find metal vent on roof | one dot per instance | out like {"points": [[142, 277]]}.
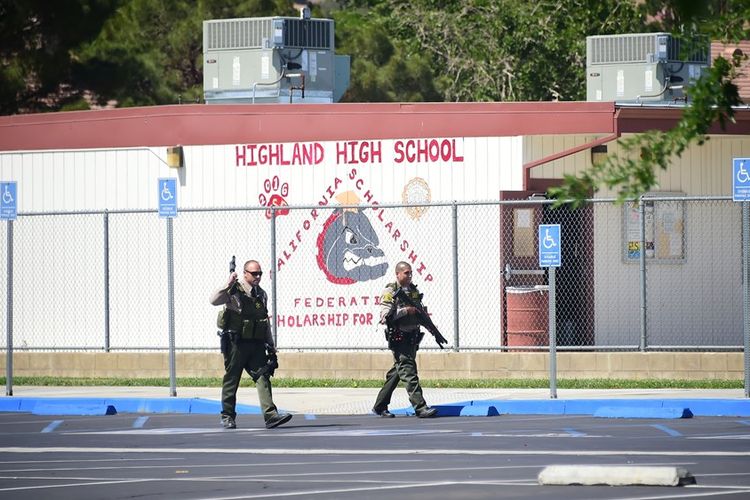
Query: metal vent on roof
{"points": [[253, 33], [641, 48], [307, 33], [237, 33]]}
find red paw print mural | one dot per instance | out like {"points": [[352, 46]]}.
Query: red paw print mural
{"points": [[274, 196]]}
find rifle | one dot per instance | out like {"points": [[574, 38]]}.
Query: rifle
{"points": [[225, 336], [232, 266], [422, 316], [267, 369]]}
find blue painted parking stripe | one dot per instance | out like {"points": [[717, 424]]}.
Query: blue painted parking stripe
{"points": [[574, 432], [476, 433], [666, 429], [309, 416], [52, 426], [139, 422]]}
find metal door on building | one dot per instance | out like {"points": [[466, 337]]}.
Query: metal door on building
{"points": [[524, 284]]}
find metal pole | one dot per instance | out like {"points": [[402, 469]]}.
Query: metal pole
{"points": [[746, 289], [552, 336], [106, 280], [455, 278], [9, 314], [170, 301], [273, 275], [642, 255]]}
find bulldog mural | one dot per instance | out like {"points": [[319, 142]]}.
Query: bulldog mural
{"points": [[348, 247]]}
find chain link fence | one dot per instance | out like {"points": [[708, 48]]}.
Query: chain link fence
{"points": [[654, 274]]}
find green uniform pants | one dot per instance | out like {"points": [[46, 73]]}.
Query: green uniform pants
{"points": [[404, 370], [245, 355]]}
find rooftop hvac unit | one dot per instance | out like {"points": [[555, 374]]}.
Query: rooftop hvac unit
{"points": [[272, 59], [641, 67]]}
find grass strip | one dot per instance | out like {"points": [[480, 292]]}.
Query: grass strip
{"points": [[351, 383]]}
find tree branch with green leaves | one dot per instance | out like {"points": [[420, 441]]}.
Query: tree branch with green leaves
{"points": [[713, 98]]}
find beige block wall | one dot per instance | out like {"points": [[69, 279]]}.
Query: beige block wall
{"points": [[373, 365]]}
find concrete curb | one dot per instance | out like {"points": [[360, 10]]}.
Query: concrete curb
{"points": [[641, 412], [615, 408], [83, 406], [608, 408]]}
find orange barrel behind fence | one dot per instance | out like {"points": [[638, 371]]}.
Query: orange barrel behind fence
{"points": [[527, 310]]}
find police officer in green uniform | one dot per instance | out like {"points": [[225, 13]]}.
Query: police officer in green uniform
{"points": [[404, 337], [245, 319]]}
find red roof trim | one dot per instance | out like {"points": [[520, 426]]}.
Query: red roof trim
{"points": [[198, 124], [237, 124]]}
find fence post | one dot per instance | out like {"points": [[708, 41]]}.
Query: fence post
{"points": [[746, 290], [106, 280], [170, 300], [455, 277], [552, 311], [642, 212], [273, 276], [9, 314]]}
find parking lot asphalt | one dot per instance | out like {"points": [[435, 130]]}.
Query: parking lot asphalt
{"points": [[190, 456]]}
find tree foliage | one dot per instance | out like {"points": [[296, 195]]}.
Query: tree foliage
{"points": [[150, 51], [509, 50], [140, 52], [38, 40], [713, 99]]}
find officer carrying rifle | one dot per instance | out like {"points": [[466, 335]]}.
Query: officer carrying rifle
{"points": [[246, 342], [403, 313]]}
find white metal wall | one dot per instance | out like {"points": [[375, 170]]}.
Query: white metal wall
{"points": [[127, 178], [693, 291]]}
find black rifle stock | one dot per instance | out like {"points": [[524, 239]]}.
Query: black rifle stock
{"points": [[422, 316], [267, 369]]}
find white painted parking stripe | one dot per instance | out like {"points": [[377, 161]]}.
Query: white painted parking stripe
{"points": [[666, 429], [344, 490], [573, 432], [544, 435], [173, 464], [139, 422], [76, 485], [52, 426], [744, 422], [292, 476], [380, 452], [289, 432], [723, 436]]}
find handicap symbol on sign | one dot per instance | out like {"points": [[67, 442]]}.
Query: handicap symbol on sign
{"points": [[8, 202], [7, 195], [740, 179], [166, 195], [550, 254], [549, 241], [742, 175]]}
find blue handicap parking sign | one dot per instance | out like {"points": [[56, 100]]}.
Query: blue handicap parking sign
{"points": [[8, 200], [741, 179], [167, 198], [550, 254]]}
